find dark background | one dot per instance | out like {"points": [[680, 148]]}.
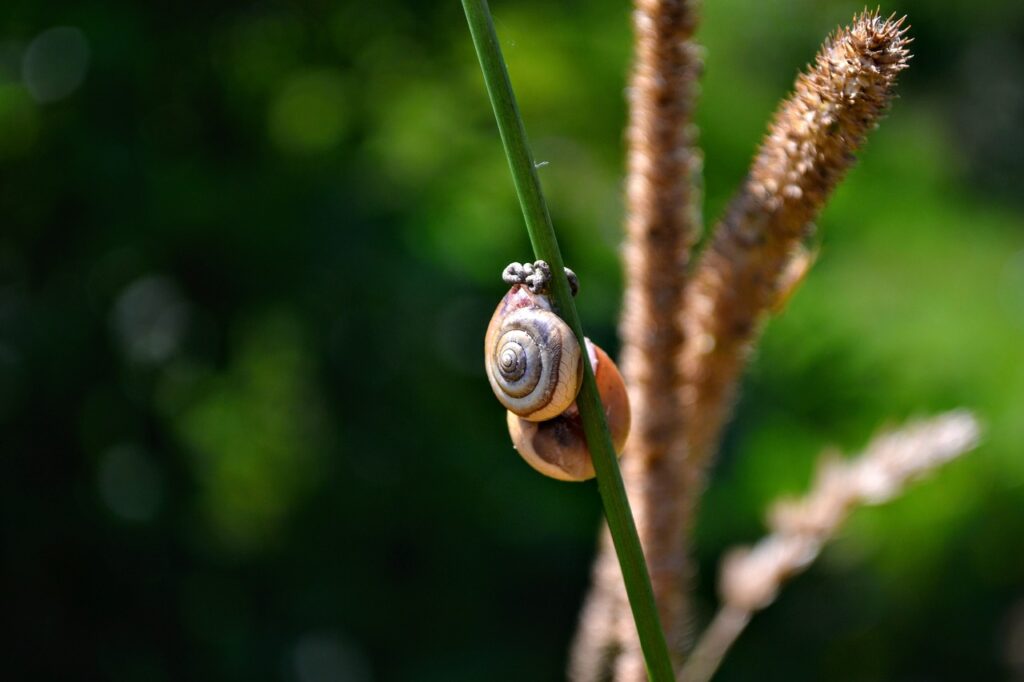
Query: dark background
{"points": [[247, 255]]}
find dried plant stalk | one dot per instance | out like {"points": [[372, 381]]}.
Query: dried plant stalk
{"points": [[751, 577], [596, 645], [747, 269], [755, 261], [662, 226]]}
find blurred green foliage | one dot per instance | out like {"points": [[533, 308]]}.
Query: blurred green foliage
{"points": [[247, 257]]}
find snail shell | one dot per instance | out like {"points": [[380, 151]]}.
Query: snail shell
{"points": [[532, 357], [558, 447]]}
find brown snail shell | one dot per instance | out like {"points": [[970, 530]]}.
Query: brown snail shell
{"points": [[557, 447], [532, 357]]}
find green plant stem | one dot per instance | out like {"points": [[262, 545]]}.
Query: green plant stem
{"points": [[545, 247]]}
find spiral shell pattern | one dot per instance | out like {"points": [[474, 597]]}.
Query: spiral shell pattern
{"points": [[533, 361]]}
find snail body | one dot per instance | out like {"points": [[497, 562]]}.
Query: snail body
{"points": [[558, 447], [535, 367]]}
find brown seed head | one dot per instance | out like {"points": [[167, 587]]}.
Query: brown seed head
{"points": [[809, 147], [834, 105]]}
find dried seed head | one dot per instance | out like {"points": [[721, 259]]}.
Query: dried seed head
{"points": [[834, 105], [752, 576], [749, 266]]}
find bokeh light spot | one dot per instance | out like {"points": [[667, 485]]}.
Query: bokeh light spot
{"points": [[130, 483], [55, 63], [257, 434], [323, 657], [149, 319], [310, 112]]}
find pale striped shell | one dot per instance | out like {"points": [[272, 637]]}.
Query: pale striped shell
{"points": [[532, 357]]}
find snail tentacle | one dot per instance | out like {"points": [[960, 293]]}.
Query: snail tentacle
{"points": [[537, 276]]}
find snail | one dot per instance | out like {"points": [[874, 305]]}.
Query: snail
{"points": [[535, 367]]}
